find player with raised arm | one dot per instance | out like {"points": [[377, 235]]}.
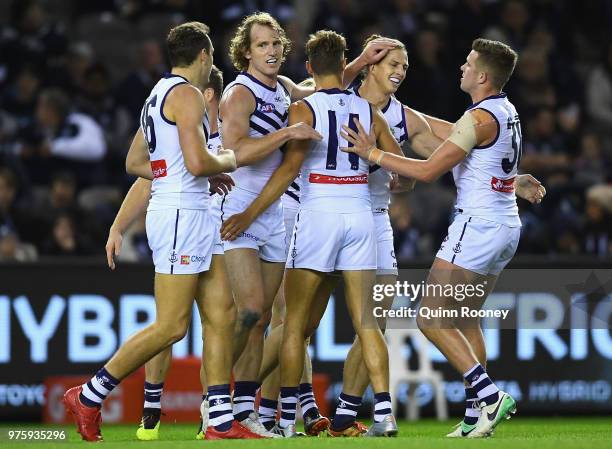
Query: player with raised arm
{"points": [[170, 149], [483, 150], [335, 197], [253, 114]]}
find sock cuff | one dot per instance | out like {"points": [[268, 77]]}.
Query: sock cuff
{"points": [[473, 373], [353, 400], [305, 388], [107, 377], [218, 389], [268, 403], [382, 397], [288, 391], [243, 388], [149, 386]]}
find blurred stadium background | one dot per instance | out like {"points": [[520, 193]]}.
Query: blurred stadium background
{"points": [[73, 77]]}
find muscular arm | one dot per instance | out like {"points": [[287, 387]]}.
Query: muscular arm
{"points": [[236, 108], [278, 183], [422, 140], [185, 106], [137, 162], [445, 157], [439, 127]]}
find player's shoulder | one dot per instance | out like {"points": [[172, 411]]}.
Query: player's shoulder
{"points": [[238, 95]]}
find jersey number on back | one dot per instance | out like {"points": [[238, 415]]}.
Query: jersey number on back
{"points": [[332, 143], [148, 127], [517, 145]]}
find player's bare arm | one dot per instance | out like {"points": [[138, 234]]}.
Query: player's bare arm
{"points": [[133, 205], [236, 107], [422, 140], [137, 162], [475, 128], [280, 180], [185, 105], [439, 127]]}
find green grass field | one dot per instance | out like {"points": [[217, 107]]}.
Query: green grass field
{"points": [[518, 433]]}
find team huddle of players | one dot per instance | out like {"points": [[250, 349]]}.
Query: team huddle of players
{"points": [[261, 196]]}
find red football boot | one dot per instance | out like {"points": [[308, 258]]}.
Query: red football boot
{"points": [[236, 432], [87, 419]]}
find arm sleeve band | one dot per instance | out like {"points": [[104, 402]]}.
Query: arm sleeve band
{"points": [[464, 133]]}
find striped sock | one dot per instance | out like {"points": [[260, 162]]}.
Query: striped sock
{"points": [[472, 413], [267, 412], [485, 389], [382, 406], [288, 405], [308, 402], [220, 414], [244, 399], [152, 395], [98, 387], [346, 411]]}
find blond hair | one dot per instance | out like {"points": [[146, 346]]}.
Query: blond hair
{"points": [[241, 42]]}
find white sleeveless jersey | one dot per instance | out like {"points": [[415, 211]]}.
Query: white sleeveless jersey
{"points": [[379, 177], [270, 114], [173, 186], [331, 179], [213, 140], [485, 178], [291, 198]]}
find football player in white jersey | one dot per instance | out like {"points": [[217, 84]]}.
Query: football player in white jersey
{"points": [[253, 114], [380, 82], [132, 207], [170, 149], [334, 197], [483, 150]]}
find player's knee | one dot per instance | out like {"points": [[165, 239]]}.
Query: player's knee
{"points": [[429, 324], [170, 334], [248, 318]]}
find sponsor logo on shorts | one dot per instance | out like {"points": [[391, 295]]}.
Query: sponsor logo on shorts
{"points": [[159, 168], [173, 257], [502, 185], [184, 259], [248, 235], [294, 253], [198, 258], [341, 102], [457, 248]]}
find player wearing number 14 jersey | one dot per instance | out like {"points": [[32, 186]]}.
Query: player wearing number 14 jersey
{"points": [[483, 150], [334, 227]]}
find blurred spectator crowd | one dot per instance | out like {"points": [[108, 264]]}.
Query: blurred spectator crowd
{"points": [[74, 75]]}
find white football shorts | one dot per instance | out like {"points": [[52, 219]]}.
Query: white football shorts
{"points": [[479, 245], [386, 263], [181, 240], [266, 234], [327, 241]]}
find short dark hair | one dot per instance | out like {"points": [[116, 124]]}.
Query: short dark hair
{"points": [[325, 51], [215, 82], [57, 99], [497, 59], [185, 42]]}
